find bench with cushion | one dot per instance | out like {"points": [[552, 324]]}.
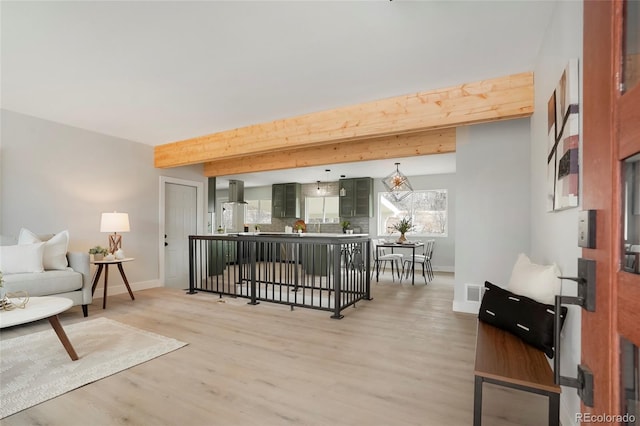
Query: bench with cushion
{"points": [[516, 335]]}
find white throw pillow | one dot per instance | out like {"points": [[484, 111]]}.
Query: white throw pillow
{"points": [[55, 248], [20, 259], [538, 282]]}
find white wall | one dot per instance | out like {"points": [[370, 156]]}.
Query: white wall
{"points": [[57, 177], [492, 173], [554, 235]]}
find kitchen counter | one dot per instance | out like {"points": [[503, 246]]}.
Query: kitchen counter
{"points": [[302, 235]]}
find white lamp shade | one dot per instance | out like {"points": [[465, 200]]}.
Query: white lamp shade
{"points": [[114, 222]]}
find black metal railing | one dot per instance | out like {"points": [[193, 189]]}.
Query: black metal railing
{"points": [[326, 272]]}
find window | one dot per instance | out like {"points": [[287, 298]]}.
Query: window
{"points": [[258, 211], [427, 210], [321, 210]]}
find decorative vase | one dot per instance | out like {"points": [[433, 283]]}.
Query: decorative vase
{"points": [[402, 238], [97, 257]]}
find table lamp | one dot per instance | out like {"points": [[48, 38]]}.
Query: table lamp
{"points": [[114, 222]]}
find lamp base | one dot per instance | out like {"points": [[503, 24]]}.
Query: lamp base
{"points": [[115, 242]]}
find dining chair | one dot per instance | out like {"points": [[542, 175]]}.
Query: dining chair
{"points": [[381, 257], [423, 260]]}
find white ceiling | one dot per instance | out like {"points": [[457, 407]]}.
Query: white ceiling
{"points": [[157, 72]]}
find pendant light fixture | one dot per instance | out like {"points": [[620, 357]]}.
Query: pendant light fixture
{"points": [[343, 190], [398, 184]]}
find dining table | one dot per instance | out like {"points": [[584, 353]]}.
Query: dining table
{"points": [[413, 245]]}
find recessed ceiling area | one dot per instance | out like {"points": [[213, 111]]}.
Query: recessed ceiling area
{"points": [[412, 166]]}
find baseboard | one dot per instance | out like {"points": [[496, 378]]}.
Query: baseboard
{"points": [[121, 288], [437, 268], [466, 307]]}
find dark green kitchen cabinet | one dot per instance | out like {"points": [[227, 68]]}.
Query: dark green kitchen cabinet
{"points": [[357, 200], [285, 200]]}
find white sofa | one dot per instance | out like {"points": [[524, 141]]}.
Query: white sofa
{"points": [[72, 281]]}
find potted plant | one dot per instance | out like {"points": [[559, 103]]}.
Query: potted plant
{"points": [[98, 252], [403, 227], [345, 225]]}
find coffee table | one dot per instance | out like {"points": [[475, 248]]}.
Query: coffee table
{"points": [[40, 308]]}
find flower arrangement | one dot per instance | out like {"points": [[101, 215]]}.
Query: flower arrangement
{"points": [[1, 279], [345, 225], [405, 225], [300, 226]]}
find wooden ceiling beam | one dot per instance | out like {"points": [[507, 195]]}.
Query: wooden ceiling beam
{"points": [[396, 146], [483, 101]]}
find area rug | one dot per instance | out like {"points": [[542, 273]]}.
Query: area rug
{"points": [[35, 368]]}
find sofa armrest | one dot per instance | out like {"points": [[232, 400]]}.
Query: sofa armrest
{"points": [[79, 262]]}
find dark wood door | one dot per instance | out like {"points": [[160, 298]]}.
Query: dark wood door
{"points": [[611, 129]]}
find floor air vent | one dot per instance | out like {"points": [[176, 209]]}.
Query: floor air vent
{"points": [[474, 292]]}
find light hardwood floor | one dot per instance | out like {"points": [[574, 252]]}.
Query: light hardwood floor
{"points": [[403, 358]]}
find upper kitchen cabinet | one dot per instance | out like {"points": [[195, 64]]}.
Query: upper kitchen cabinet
{"points": [[357, 200], [285, 200]]}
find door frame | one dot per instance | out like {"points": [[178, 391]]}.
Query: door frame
{"points": [[611, 134], [200, 215]]}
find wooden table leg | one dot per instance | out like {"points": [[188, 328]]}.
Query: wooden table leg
{"points": [[96, 277], [57, 327], [124, 278], [106, 278]]}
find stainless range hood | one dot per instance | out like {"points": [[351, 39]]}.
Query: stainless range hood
{"points": [[236, 191]]}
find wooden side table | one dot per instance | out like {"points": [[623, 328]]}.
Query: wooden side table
{"points": [[104, 264]]}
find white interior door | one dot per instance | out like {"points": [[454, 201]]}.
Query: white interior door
{"points": [[180, 222]]}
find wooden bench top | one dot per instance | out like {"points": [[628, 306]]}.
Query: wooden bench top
{"points": [[502, 356]]}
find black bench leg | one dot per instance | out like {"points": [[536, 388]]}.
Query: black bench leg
{"points": [[554, 409], [477, 402]]}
